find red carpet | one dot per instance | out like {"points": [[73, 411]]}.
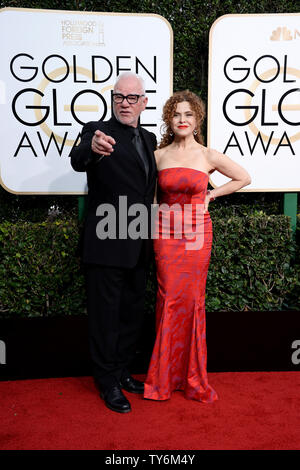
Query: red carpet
{"points": [[256, 410]]}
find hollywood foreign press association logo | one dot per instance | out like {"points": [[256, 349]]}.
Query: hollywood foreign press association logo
{"points": [[82, 32]]}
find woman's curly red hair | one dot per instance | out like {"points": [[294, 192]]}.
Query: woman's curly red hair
{"points": [[169, 108]]}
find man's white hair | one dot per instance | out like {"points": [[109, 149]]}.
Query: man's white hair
{"points": [[131, 75]]}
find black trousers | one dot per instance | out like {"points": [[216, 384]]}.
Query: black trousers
{"points": [[115, 302]]}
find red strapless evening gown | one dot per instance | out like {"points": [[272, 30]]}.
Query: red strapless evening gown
{"points": [[179, 356]]}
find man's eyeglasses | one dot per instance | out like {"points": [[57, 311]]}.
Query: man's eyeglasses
{"points": [[118, 98]]}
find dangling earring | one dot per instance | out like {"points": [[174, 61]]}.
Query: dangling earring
{"points": [[195, 132], [171, 134]]}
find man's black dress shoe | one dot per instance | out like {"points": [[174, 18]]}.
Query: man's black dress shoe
{"points": [[115, 400], [132, 385]]}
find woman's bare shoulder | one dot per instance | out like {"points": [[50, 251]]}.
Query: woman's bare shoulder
{"points": [[159, 154], [213, 155]]}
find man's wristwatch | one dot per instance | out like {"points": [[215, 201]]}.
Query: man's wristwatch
{"points": [[99, 158]]}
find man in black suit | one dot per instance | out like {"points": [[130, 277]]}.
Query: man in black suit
{"points": [[119, 170]]}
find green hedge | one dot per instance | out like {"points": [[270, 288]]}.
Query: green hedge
{"points": [[251, 268], [253, 264], [40, 272]]}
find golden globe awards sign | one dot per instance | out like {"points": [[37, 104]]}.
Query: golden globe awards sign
{"points": [[57, 71], [254, 97]]}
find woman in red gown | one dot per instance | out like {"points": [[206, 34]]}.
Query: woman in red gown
{"points": [[182, 245]]}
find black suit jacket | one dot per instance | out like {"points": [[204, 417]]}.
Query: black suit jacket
{"points": [[120, 174]]}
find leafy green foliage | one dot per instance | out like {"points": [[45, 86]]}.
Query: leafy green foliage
{"points": [[40, 272], [252, 267], [252, 264]]}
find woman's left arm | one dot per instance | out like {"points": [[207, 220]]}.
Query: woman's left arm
{"points": [[238, 175]]}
